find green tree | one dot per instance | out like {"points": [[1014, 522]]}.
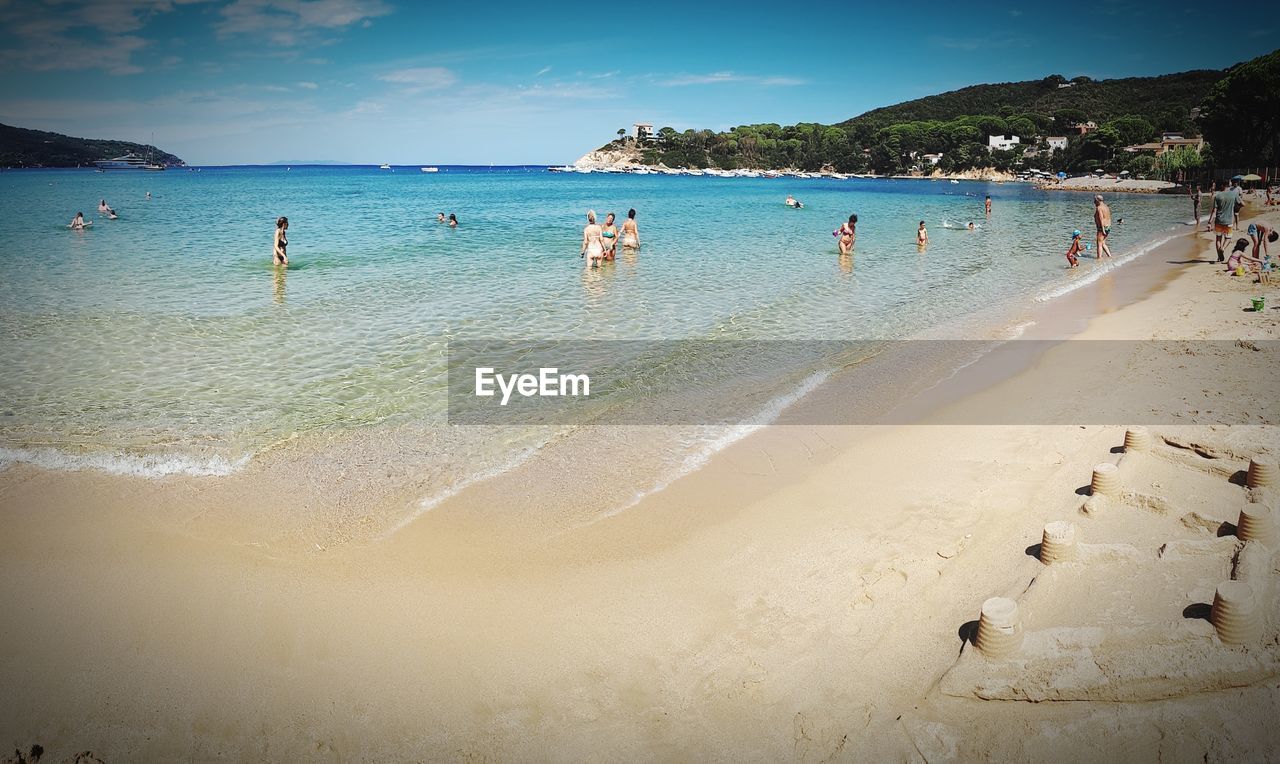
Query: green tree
{"points": [[1131, 130], [1241, 114]]}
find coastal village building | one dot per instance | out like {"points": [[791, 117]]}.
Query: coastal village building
{"points": [[1056, 142], [1001, 142], [644, 131], [1083, 127], [1168, 142], [932, 159]]}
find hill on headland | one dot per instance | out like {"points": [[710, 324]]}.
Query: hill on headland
{"points": [[20, 147], [1155, 99], [1113, 125]]}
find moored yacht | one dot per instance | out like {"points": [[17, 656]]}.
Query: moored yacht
{"points": [[129, 161]]}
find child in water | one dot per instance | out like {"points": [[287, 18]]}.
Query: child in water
{"points": [[1073, 252]]}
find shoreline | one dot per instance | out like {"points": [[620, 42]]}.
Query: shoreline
{"points": [[798, 594]]}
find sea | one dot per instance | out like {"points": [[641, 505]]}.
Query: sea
{"points": [[166, 343]]}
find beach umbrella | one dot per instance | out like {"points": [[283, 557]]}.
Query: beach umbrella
{"points": [[1250, 177], [1061, 174]]}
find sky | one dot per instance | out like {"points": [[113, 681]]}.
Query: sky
{"points": [[371, 81]]}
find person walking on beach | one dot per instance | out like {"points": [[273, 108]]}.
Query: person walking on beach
{"points": [[988, 205], [1239, 205], [1224, 212], [1195, 202], [592, 241], [280, 255], [846, 234], [630, 234], [1102, 219], [922, 235]]}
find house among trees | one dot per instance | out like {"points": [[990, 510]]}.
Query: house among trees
{"points": [[932, 159], [1083, 127], [1168, 142], [1002, 142], [644, 131], [1056, 142]]}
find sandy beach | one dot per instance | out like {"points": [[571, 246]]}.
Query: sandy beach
{"points": [[810, 594]]}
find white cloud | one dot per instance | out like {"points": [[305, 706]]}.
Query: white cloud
{"points": [[59, 36], [421, 78], [716, 78], [308, 86], [291, 22], [542, 71]]}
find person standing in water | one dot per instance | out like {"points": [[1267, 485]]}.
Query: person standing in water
{"points": [[453, 220], [280, 255], [1195, 202], [440, 218], [630, 234], [988, 205], [592, 243], [922, 235], [846, 234], [609, 236], [77, 223], [1073, 252], [1102, 219]]}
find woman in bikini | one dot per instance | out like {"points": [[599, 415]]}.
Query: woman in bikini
{"points": [[609, 235], [630, 234], [281, 254], [847, 233], [592, 243]]}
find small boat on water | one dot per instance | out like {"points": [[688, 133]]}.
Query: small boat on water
{"points": [[384, 167], [429, 169]]}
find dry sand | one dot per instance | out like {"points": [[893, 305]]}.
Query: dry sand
{"points": [[809, 595]]}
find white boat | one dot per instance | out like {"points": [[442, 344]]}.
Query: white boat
{"points": [[562, 168], [953, 180], [642, 171], [384, 167], [429, 169], [694, 171], [129, 161]]}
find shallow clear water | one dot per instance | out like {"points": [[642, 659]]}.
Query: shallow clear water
{"points": [[168, 331]]}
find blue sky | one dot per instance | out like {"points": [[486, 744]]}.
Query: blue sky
{"points": [[250, 81]]}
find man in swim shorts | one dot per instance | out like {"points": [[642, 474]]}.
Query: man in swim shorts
{"points": [[1102, 219], [1224, 212]]}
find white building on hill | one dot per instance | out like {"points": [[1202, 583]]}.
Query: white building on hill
{"points": [[1001, 142]]}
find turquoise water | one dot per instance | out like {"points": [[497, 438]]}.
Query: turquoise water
{"points": [[168, 334]]}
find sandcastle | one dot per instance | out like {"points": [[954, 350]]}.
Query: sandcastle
{"points": [[1106, 480], [1235, 614], [1137, 439], [1058, 543], [999, 628], [1261, 474], [1258, 523]]}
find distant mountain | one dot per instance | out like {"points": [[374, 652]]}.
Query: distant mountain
{"points": [[1148, 97], [20, 147]]}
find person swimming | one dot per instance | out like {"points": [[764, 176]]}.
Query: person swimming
{"points": [[440, 218], [148, 196], [77, 223], [609, 237], [630, 234], [453, 220], [794, 202], [280, 252], [971, 226]]}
